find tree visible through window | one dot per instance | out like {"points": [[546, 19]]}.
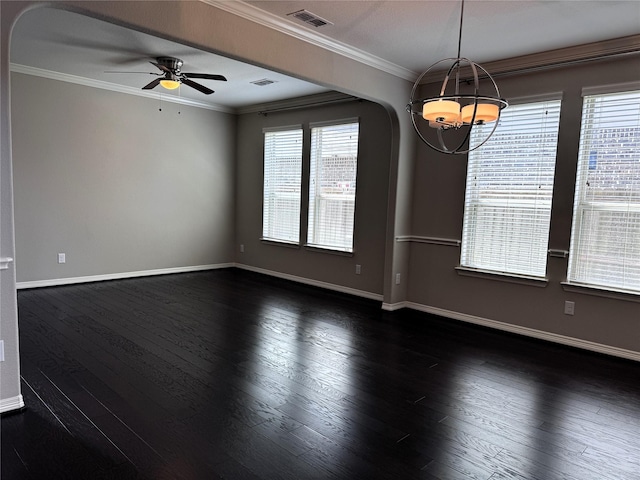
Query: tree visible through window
{"points": [[605, 238], [332, 185], [509, 189]]}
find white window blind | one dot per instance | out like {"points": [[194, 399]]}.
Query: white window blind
{"points": [[509, 190], [605, 236], [332, 186], [282, 185]]}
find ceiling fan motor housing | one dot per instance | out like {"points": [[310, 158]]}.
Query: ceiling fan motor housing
{"points": [[173, 76], [173, 64]]}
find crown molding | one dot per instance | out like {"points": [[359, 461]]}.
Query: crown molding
{"points": [[561, 57], [256, 15], [89, 82], [299, 102], [510, 66], [566, 56]]}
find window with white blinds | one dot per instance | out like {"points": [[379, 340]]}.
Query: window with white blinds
{"points": [[509, 190], [282, 185], [332, 186], [605, 236]]}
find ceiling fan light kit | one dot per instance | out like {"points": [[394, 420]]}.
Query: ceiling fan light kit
{"points": [[460, 105], [169, 84]]}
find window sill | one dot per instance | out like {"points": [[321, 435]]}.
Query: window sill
{"points": [[607, 292], [332, 251], [503, 277], [279, 243]]}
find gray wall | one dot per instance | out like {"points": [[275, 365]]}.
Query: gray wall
{"points": [[371, 204], [115, 183], [437, 211], [212, 29]]}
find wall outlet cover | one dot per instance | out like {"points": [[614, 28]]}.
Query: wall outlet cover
{"points": [[569, 308]]}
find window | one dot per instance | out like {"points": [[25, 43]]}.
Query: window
{"points": [[332, 185], [282, 184], [605, 236], [509, 188]]}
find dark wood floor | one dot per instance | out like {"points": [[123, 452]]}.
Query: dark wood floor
{"points": [[230, 374]]}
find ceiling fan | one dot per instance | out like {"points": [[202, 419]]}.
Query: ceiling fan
{"points": [[172, 76]]}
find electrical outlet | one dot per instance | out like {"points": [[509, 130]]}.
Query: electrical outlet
{"points": [[62, 258], [241, 248], [397, 279], [358, 269], [1, 350], [569, 307]]}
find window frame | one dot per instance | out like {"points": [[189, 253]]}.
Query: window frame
{"points": [[267, 227], [576, 276], [312, 217], [488, 268]]}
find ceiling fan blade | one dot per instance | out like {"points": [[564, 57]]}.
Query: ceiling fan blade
{"points": [[153, 84], [205, 76], [120, 71], [161, 67], [197, 86]]}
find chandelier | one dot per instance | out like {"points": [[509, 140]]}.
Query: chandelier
{"points": [[460, 106]]}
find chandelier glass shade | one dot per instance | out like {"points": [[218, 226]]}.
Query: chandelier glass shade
{"points": [[461, 104]]}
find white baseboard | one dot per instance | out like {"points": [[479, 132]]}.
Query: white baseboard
{"points": [[54, 282], [526, 331], [392, 307], [13, 403], [314, 283], [529, 332]]}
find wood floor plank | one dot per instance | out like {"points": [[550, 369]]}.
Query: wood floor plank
{"points": [[232, 374]]}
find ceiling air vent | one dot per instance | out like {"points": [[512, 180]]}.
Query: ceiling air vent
{"points": [[310, 18], [263, 82]]}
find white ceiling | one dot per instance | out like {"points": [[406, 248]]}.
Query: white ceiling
{"points": [[402, 37], [79, 46], [414, 34]]}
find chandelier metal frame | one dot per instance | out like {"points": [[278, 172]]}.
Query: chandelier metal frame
{"points": [[475, 102]]}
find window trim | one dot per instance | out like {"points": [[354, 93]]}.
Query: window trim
{"points": [[542, 97], [502, 276], [276, 129], [331, 123], [611, 88], [580, 205], [340, 250], [324, 249], [280, 243], [282, 128], [528, 279], [598, 291]]}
